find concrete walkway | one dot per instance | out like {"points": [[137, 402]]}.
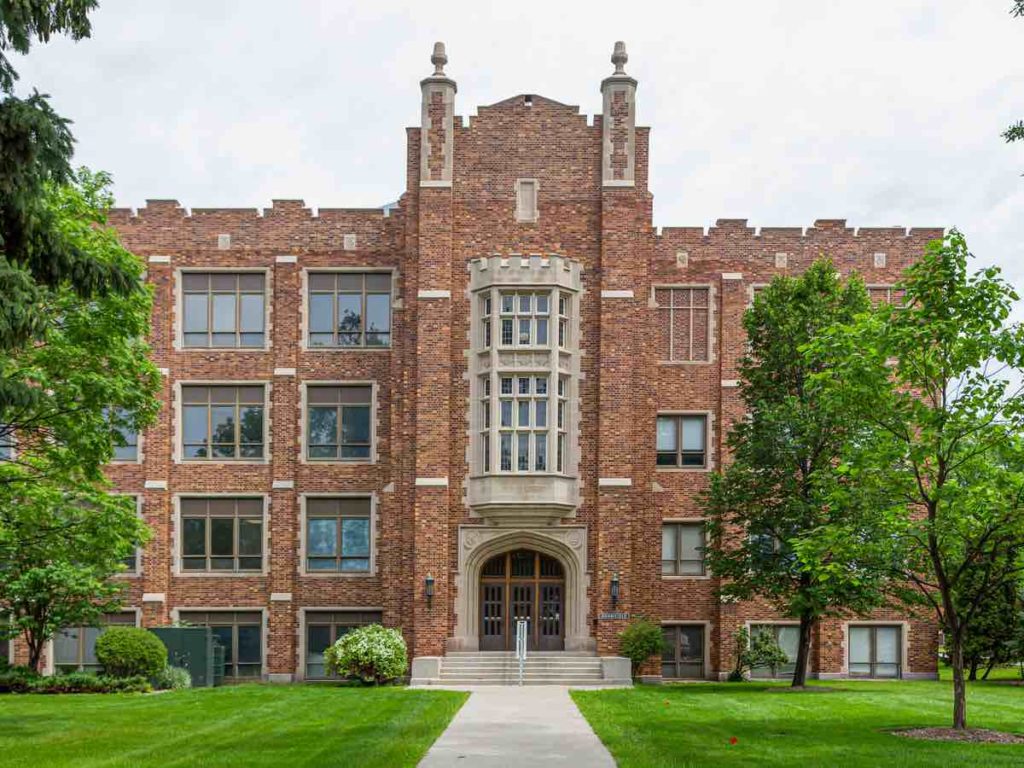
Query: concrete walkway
{"points": [[512, 726]]}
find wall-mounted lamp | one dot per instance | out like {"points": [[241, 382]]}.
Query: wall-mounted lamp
{"points": [[428, 589], [615, 589]]}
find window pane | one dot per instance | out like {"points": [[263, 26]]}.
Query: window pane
{"points": [[320, 311], [252, 424], [693, 542], [506, 413], [355, 537], [860, 645], [523, 452], [252, 312], [194, 423], [249, 644], [250, 536], [195, 313], [378, 312], [89, 635], [65, 646], [224, 636], [668, 542], [222, 423], [693, 433], [349, 311], [524, 413], [541, 414], [355, 424], [194, 538], [540, 452], [222, 536], [506, 450], [318, 638], [223, 312], [323, 428], [789, 640], [887, 645], [666, 433], [542, 330], [322, 537]]}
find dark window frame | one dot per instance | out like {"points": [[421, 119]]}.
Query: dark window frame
{"points": [[339, 515], [339, 406], [678, 562], [680, 458], [784, 671], [335, 621], [874, 662], [207, 515], [81, 664], [214, 399], [672, 633], [218, 619], [238, 291], [337, 290]]}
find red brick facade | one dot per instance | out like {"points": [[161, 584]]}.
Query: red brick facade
{"points": [[594, 209]]}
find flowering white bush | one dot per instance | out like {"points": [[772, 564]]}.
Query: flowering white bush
{"points": [[371, 653]]}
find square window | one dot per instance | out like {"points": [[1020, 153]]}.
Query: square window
{"points": [[223, 309]]}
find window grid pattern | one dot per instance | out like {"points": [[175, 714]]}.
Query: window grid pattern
{"points": [[682, 549], [222, 534], [241, 635], [222, 422], [223, 309], [338, 535], [323, 629], [684, 327], [339, 424], [682, 441], [875, 651], [74, 648], [349, 309], [524, 318], [523, 423]]}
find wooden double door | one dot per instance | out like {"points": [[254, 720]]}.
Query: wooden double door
{"points": [[522, 585]]}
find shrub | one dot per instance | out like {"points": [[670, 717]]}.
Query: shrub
{"points": [[762, 651], [17, 679], [128, 651], [371, 653], [83, 682], [172, 679], [641, 640]]}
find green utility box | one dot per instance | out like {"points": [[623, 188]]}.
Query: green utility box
{"points": [[195, 649]]}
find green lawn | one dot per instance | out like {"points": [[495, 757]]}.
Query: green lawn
{"points": [[244, 725], [680, 725]]}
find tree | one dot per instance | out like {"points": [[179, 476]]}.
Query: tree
{"points": [[58, 551], [989, 637], [761, 651], [1016, 131], [930, 378], [62, 535], [36, 255], [777, 525]]}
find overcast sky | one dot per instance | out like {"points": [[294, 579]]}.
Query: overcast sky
{"points": [[882, 113]]}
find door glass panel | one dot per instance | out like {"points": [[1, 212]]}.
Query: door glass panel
{"points": [[887, 645], [860, 645], [249, 644]]}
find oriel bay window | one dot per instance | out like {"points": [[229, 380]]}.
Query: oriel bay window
{"points": [[324, 629], [682, 441], [338, 534], [221, 534], [350, 309], [223, 309], [682, 549], [339, 422], [523, 423], [240, 633], [222, 422], [875, 651], [74, 648]]}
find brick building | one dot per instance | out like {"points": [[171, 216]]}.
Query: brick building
{"points": [[498, 397]]}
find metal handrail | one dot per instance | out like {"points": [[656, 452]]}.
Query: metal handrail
{"points": [[521, 637]]}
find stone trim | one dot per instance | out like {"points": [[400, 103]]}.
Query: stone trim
{"points": [[432, 482], [176, 540], [619, 294], [904, 642], [614, 482], [178, 309], [433, 294], [374, 542]]}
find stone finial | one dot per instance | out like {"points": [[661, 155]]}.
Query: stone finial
{"points": [[620, 57], [439, 59]]}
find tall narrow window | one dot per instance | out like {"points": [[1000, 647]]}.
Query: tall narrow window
{"points": [[682, 441], [875, 651], [6, 443], [563, 424], [124, 437], [349, 309], [682, 549], [485, 421], [523, 424], [526, 200], [240, 633], [324, 629], [339, 423], [222, 422], [338, 535], [564, 311], [223, 309], [525, 319], [221, 534], [683, 322]]}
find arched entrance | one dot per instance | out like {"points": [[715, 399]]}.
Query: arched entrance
{"points": [[524, 585]]}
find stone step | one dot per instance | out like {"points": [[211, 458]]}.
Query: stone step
{"points": [[512, 654], [552, 680], [481, 672]]}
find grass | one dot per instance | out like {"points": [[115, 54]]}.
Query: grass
{"points": [[683, 725], [244, 725]]}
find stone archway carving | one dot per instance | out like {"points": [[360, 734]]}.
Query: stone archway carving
{"points": [[477, 544]]}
